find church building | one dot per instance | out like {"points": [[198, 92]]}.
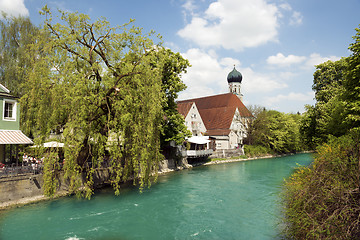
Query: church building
{"points": [[221, 117]]}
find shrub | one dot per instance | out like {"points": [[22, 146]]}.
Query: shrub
{"points": [[322, 201], [257, 150]]}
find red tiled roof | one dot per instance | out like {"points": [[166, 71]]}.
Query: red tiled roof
{"points": [[217, 118], [218, 132], [218, 111], [184, 107], [218, 101]]}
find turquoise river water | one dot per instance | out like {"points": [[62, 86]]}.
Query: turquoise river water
{"points": [[237, 200]]}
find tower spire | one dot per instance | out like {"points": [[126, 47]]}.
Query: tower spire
{"points": [[234, 79]]}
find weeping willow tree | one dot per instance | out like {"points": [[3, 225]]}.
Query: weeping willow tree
{"points": [[15, 35], [102, 89]]}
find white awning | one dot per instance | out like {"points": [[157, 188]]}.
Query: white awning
{"points": [[52, 144], [14, 137], [199, 139]]}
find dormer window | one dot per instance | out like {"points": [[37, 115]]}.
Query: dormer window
{"points": [[9, 110]]}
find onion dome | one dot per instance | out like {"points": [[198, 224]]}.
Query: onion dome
{"points": [[234, 76]]}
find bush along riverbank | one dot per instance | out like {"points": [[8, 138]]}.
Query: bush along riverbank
{"points": [[322, 201]]}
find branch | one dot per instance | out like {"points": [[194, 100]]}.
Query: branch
{"points": [[65, 46]]}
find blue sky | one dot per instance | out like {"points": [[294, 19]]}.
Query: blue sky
{"points": [[274, 44]]}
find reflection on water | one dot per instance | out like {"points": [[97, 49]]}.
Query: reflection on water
{"points": [[226, 201]]}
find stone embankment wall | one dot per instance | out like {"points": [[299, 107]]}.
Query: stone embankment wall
{"points": [[17, 188], [29, 188], [227, 153]]}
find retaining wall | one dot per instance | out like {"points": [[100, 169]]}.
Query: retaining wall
{"points": [[27, 188], [227, 153]]}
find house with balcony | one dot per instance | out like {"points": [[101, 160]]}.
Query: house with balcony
{"points": [[198, 145], [222, 118], [10, 133]]}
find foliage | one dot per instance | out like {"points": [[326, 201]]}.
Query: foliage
{"points": [[352, 84], [322, 201], [16, 34], [257, 151], [106, 91], [326, 117], [328, 74], [173, 128], [255, 110], [276, 131]]}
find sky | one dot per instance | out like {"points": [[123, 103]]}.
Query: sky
{"points": [[275, 45]]}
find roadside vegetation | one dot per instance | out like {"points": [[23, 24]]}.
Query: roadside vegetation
{"points": [[323, 201]]}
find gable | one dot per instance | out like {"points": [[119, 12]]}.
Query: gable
{"points": [[184, 108], [220, 101]]}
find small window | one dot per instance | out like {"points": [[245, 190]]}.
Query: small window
{"points": [[9, 112]]}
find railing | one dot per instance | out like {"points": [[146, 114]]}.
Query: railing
{"points": [[11, 171], [198, 153]]}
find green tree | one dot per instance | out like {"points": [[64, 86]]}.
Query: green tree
{"points": [[16, 34], [173, 128], [322, 201], [308, 127], [327, 116], [352, 84], [330, 73], [103, 89], [277, 131]]}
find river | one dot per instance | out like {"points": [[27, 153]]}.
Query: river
{"points": [[237, 200]]}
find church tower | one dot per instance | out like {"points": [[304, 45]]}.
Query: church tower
{"points": [[234, 79]]}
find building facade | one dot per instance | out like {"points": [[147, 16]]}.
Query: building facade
{"points": [[10, 133], [223, 117]]}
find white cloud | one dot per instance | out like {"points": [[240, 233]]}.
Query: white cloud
{"points": [[291, 97], [296, 18], [315, 59], [302, 62], [233, 24], [254, 82], [14, 7], [285, 6], [281, 60], [189, 6], [208, 76]]}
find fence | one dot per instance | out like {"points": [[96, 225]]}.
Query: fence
{"points": [[10, 171]]}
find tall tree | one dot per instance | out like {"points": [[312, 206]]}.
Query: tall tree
{"points": [[352, 84], [16, 34], [173, 128], [277, 131], [327, 116], [102, 87]]}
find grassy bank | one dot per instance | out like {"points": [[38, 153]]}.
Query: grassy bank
{"points": [[322, 201]]}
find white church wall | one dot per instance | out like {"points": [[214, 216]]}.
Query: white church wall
{"points": [[194, 122]]}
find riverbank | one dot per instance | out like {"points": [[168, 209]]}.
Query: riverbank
{"points": [[218, 202], [34, 199]]}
